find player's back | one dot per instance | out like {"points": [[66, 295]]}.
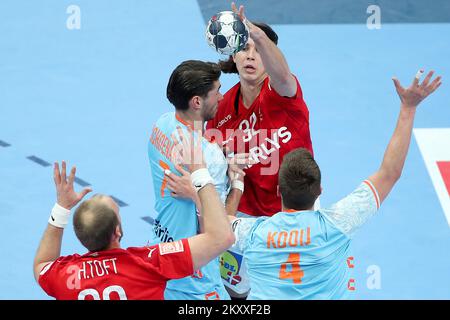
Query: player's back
{"points": [[177, 218], [167, 224], [299, 255], [116, 274]]}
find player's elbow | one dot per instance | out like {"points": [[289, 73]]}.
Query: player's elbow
{"points": [[394, 175], [36, 273], [397, 176], [230, 239], [390, 174], [226, 240], [287, 79], [286, 85]]}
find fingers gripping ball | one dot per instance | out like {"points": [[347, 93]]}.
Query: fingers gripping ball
{"points": [[226, 33]]}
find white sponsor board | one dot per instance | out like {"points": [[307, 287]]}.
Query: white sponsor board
{"points": [[434, 144]]}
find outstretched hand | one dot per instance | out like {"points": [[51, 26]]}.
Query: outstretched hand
{"points": [[240, 12], [66, 195], [416, 93]]}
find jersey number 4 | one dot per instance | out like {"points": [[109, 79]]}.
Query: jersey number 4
{"points": [[296, 274]]}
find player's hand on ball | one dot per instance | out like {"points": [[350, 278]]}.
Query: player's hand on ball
{"points": [[239, 12], [226, 33], [254, 31]]}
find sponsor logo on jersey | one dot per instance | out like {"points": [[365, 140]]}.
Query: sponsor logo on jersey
{"points": [[223, 121], [171, 247], [263, 144], [150, 252], [162, 232], [230, 264]]}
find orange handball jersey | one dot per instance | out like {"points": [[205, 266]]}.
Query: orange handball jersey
{"points": [[271, 127], [118, 274]]}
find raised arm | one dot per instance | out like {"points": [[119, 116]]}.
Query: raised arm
{"points": [[217, 235], [50, 246], [236, 165], [395, 154], [281, 78]]}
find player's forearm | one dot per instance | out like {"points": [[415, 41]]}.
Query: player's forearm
{"points": [[276, 65], [50, 246], [215, 221], [395, 155], [197, 202], [231, 206], [232, 202], [198, 205]]}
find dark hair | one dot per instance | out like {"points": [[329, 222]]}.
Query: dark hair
{"points": [[191, 78], [95, 223], [228, 66], [299, 180]]}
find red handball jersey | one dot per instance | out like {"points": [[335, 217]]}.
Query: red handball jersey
{"points": [[118, 274], [270, 128]]}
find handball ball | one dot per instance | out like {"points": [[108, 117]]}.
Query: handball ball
{"points": [[226, 33]]}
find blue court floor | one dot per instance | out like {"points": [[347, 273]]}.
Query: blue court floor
{"points": [[91, 95]]}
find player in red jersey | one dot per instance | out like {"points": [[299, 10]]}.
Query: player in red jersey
{"points": [[265, 116], [109, 272]]}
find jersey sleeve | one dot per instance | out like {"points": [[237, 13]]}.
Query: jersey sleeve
{"points": [[241, 228], [49, 275], [294, 103], [172, 260], [45, 278], [354, 210]]}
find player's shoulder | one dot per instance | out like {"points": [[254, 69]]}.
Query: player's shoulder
{"points": [[62, 262], [165, 118], [69, 258], [282, 219], [138, 250], [139, 255], [365, 193], [267, 89], [150, 252], [252, 224]]}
